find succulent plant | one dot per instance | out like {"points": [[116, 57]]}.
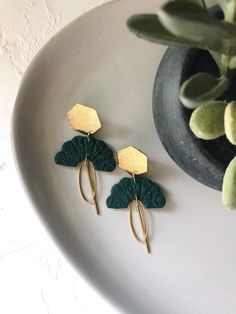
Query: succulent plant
{"points": [[188, 23]]}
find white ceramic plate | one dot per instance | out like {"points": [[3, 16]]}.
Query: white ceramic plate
{"points": [[96, 61]]}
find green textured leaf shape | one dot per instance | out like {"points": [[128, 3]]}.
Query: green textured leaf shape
{"points": [[76, 150], [230, 122], [207, 121], [229, 185], [147, 191], [202, 88], [149, 27], [190, 21]]}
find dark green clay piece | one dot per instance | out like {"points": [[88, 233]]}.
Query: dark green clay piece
{"points": [[76, 150], [147, 191]]}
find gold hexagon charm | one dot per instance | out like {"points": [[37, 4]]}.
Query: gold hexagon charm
{"points": [[132, 160], [84, 119]]}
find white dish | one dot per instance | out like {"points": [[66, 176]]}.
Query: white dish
{"points": [[96, 61]]}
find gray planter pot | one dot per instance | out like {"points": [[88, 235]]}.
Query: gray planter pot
{"points": [[205, 161]]}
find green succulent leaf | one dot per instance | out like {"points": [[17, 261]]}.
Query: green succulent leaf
{"points": [[229, 59], [229, 9], [218, 59], [201, 88], [230, 122], [232, 63], [149, 27], [207, 121], [229, 185], [190, 21], [201, 3]]}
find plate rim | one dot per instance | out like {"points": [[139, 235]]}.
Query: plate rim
{"points": [[20, 174]]}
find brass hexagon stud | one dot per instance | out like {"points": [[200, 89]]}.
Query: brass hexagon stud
{"points": [[132, 160], [84, 119]]}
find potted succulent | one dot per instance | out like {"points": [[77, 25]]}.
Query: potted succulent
{"points": [[194, 95]]}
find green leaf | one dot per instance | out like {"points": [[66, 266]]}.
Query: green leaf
{"points": [[190, 21], [229, 9], [201, 88], [149, 27], [229, 185], [229, 60], [218, 59], [207, 121], [232, 63], [230, 122], [200, 3]]}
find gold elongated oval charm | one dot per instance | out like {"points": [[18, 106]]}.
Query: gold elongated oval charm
{"points": [[91, 173], [143, 221]]}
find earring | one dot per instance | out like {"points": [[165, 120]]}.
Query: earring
{"points": [[137, 192], [86, 151]]}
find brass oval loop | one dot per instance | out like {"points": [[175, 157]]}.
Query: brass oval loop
{"points": [[143, 220], [88, 166]]}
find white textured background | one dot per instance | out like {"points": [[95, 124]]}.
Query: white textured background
{"points": [[34, 276]]}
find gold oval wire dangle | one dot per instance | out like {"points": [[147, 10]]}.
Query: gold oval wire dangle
{"points": [[143, 220], [86, 164], [93, 183], [136, 205]]}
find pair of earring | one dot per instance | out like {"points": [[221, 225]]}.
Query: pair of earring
{"points": [[86, 152]]}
